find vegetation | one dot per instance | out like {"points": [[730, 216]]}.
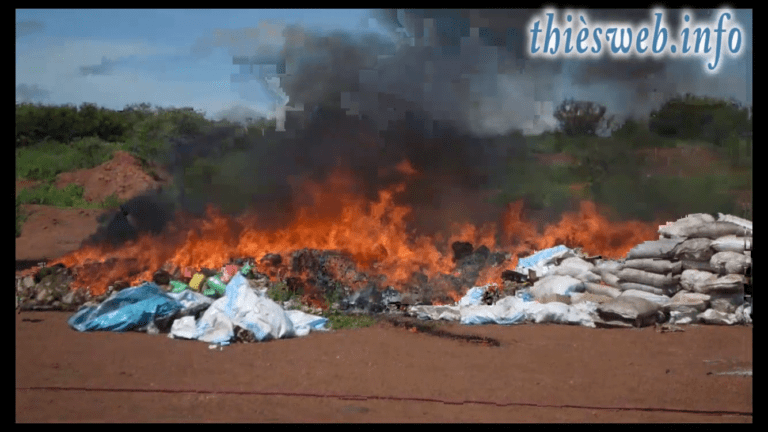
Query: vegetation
{"points": [[609, 170], [691, 117], [279, 292], [68, 196], [339, 321]]}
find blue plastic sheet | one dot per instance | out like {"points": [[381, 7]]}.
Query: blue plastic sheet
{"points": [[129, 309], [533, 260]]}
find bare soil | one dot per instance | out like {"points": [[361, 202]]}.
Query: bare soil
{"points": [[537, 374], [50, 232]]}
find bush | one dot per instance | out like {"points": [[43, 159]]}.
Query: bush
{"points": [[693, 117], [581, 118]]}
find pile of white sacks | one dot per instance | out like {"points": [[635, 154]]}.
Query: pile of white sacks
{"points": [[694, 273]]}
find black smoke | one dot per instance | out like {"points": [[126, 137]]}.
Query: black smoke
{"points": [[438, 92]]}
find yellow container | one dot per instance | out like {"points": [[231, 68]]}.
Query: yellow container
{"points": [[196, 280]]}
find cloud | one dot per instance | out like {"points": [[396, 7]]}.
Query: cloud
{"points": [[104, 68]]}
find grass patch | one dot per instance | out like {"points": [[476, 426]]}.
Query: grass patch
{"points": [[279, 292], [339, 321], [47, 159], [70, 196]]}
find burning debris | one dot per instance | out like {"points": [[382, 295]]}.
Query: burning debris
{"points": [[699, 271]]}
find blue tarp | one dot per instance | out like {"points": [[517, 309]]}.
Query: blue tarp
{"points": [[129, 309]]}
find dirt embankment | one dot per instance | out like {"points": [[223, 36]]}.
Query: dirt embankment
{"points": [[50, 232]]}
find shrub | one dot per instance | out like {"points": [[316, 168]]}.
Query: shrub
{"points": [[693, 117]]}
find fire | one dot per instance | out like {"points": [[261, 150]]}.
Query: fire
{"points": [[333, 216]]}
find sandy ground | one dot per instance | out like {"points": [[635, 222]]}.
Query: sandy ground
{"points": [[539, 373]]}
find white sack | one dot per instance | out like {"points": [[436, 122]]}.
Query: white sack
{"points": [[732, 243], [690, 279], [675, 229], [729, 284], [731, 262], [735, 220], [563, 285]]}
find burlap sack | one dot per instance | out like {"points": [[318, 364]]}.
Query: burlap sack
{"points": [[655, 266], [697, 249], [660, 249], [647, 278], [732, 243], [690, 279], [731, 262], [677, 228], [730, 284]]}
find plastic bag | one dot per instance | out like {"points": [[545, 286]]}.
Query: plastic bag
{"points": [[130, 309]]}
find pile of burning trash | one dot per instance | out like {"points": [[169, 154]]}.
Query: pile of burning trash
{"points": [[699, 271]]}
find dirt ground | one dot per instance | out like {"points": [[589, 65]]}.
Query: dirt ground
{"points": [[539, 373]]}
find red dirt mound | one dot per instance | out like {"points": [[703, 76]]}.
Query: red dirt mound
{"points": [[50, 232], [122, 176]]}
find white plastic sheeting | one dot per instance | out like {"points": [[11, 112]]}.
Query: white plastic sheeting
{"points": [[246, 308], [509, 310]]}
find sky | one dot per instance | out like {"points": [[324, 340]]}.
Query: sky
{"points": [[184, 58]]}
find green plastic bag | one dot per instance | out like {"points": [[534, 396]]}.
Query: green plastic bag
{"points": [[178, 286]]}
